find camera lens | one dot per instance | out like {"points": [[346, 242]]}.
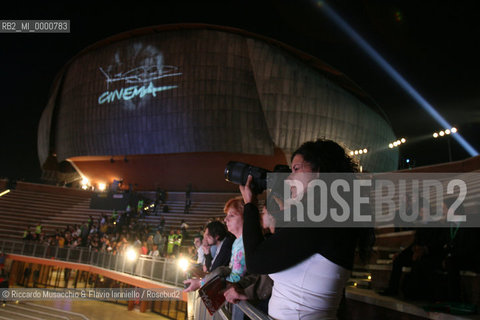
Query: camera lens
{"points": [[237, 172]]}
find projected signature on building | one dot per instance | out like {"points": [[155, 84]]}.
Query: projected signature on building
{"points": [[150, 68], [131, 92], [141, 74]]}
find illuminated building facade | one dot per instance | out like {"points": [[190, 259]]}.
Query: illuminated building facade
{"points": [[171, 105]]}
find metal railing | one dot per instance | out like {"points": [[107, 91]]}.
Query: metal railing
{"points": [[154, 268], [198, 311]]}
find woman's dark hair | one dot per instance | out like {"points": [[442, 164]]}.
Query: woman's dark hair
{"points": [[326, 156]]}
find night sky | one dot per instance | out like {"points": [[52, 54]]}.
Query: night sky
{"points": [[433, 44]]}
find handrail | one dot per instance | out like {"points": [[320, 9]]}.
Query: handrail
{"points": [[154, 268], [198, 311], [157, 269]]}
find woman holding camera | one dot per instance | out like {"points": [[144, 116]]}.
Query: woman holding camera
{"points": [[309, 266]]}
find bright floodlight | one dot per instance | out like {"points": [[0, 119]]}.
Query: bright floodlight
{"points": [[390, 145], [351, 153], [356, 151], [394, 74], [441, 133], [85, 181], [435, 135], [360, 151], [183, 264], [447, 131], [403, 140], [454, 130], [131, 254], [102, 186], [365, 150]]}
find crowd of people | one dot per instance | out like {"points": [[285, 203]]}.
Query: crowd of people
{"points": [[114, 234], [290, 273], [118, 232]]}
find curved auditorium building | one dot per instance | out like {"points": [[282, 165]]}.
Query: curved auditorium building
{"points": [[169, 106]]}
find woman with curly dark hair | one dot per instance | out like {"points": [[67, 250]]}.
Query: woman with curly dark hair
{"points": [[309, 266]]}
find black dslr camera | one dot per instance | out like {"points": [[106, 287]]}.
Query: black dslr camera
{"points": [[237, 172]]}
